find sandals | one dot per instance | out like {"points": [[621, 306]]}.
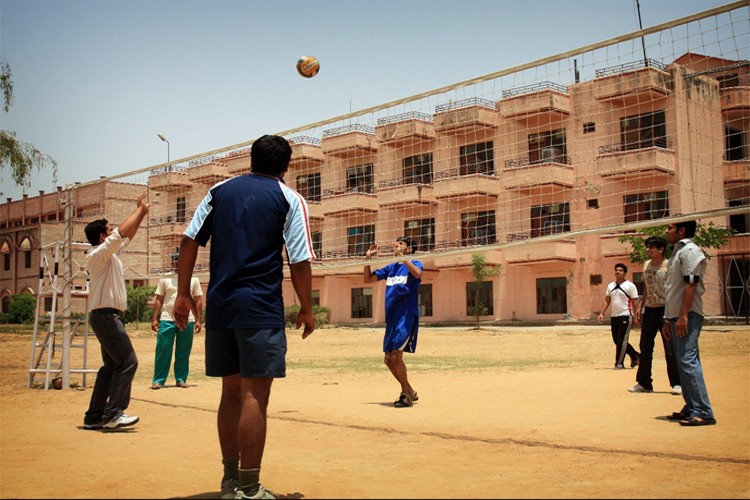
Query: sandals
{"points": [[678, 416], [697, 421]]}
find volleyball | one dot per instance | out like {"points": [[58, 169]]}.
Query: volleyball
{"points": [[308, 66]]}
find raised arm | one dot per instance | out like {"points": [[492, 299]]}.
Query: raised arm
{"points": [[128, 228]]}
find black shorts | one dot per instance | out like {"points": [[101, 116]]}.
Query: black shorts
{"points": [[251, 352]]}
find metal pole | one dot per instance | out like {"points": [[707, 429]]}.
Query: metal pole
{"points": [[640, 26], [67, 284]]}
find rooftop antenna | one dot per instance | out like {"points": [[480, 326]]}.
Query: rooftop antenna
{"points": [[640, 26]]}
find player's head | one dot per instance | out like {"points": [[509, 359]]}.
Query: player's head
{"points": [[680, 230], [656, 242], [622, 267], [409, 244], [95, 229], [270, 154]]}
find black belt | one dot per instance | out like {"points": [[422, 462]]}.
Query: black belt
{"points": [[107, 310]]}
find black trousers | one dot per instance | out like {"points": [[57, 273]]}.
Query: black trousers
{"points": [[652, 323], [111, 394], [620, 334]]}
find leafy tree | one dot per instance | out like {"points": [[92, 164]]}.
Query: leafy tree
{"points": [[706, 236], [138, 309], [21, 308], [21, 157], [481, 271]]}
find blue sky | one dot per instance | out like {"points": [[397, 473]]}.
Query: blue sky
{"points": [[96, 80]]}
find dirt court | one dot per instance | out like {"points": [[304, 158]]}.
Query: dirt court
{"points": [[503, 412]]}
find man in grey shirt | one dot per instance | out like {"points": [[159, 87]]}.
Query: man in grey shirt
{"points": [[683, 316]]}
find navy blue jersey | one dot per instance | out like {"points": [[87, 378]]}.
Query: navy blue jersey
{"points": [[401, 291], [249, 219]]}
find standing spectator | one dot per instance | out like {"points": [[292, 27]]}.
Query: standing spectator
{"points": [[401, 312], [108, 299], [651, 317], [684, 315], [623, 295], [170, 337], [249, 220]]}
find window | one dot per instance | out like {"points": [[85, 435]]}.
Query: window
{"points": [[643, 131], [27, 259], [725, 81], [309, 186], [139, 283], [48, 304], [418, 169], [739, 222], [315, 295], [424, 300], [589, 127], [422, 232], [734, 144], [547, 147], [361, 303], [359, 178], [317, 243], [477, 159], [359, 240], [550, 219], [646, 206], [6, 262], [551, 296], [5, 304], [484, 297], [592, 203], [477, 228], [180, 210]]}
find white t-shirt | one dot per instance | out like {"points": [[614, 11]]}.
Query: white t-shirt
{"points": [[168, 288], [106, 274], [621, 296]]}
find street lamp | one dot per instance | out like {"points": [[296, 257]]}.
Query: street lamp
{"points": [[161, 136]]}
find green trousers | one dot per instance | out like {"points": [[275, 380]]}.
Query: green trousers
{"points": [[170, 336]]}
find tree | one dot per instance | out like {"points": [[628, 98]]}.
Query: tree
{"points": [[138, 304], [21, 157], [706, 236], [22, 308], [481, 271]]}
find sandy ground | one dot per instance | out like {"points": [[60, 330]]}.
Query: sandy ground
{"points": [[503, 412]]}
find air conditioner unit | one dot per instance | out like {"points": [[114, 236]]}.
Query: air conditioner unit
{"points": [[550, 154]]}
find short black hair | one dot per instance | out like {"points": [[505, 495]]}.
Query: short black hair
{"points": [[689, 225], [409, 243], [623, 266], [94, 229], [270, 154], [656, 242]]}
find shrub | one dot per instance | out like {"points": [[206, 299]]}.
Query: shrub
{"points": [[321, 314], [21, 308]]}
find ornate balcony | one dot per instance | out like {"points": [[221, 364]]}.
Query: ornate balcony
{"points": [[348, 203], [350, 141], [736, 173], [238, 162], [468, 115], [449, 184], [529, 254], [306, 153], [169, 178], [536, 105], [633, 86], [735, 102], [396, 194], [544, 177], [631, 161], [209, 173], [405, 129]]}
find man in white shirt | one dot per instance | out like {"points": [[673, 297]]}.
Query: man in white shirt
{"points": [[108, 300], [168, 336], [623, 295]]}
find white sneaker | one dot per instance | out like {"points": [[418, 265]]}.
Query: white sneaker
{"points": [[676, 390], [262, 494], [229, 488], [639, 388], [123, 420]]}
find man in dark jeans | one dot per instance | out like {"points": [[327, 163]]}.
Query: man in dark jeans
{"points": [[652, 319], [107, 301]]}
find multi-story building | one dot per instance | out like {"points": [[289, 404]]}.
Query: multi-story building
{"points": [[532, 180]]}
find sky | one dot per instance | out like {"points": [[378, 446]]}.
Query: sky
{"points": [[95, 81]]}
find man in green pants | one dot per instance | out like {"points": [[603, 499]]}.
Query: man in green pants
{"points": [[168, 335]]}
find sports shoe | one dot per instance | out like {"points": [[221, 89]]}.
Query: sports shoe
{"points": [[676, 390], [404, 401], [639, 388], [262, 494], [122, 420], [619, 367], [92, 426], [229, 488]]}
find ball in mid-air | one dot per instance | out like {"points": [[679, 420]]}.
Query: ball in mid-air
{"points": [[308, 66]]}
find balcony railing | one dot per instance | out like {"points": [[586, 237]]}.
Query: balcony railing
{"points": [[661, 143], [346, 129], [525, 161], [305, 139], [465, 103], [622, 68], [402, 117], [530, 89], [167, 169]]}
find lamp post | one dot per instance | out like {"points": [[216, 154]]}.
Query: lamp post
{"points": [[161, 136]]}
